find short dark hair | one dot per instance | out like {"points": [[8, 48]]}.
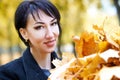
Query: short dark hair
{"points": [[29, 7]]}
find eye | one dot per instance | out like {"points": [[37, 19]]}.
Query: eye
{"points": [[54, 23], [39, 27]]}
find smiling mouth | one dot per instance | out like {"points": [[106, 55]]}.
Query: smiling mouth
{"points": [[50, 43]]}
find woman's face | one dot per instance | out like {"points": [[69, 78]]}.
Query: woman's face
{"points": [[42, 32]]}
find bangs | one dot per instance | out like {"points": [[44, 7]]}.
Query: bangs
{"points": [[35, 8]]}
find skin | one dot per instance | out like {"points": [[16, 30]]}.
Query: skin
{"points": [[42, 33]]}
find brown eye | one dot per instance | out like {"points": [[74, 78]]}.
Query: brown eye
{"points": [[54, 23], [39, 27]]}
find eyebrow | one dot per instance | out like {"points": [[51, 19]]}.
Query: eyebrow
{"points": [[38, 22]]}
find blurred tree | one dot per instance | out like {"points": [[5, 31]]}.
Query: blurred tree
{"points": [[73, 13], [117, 5], [7, 32]]}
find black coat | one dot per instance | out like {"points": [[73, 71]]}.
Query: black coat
{"points": [[24, 68]]}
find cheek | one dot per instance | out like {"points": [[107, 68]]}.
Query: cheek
{"points": [[36, 37], [56, 31]]}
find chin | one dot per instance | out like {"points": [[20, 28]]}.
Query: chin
{"points": [[50, 51]]}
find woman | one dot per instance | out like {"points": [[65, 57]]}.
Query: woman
{"points": [[38, 25]]}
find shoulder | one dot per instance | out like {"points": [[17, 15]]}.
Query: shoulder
{"points": [[11, 70], [12, 65]]}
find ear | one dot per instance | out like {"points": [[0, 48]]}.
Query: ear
{"points": [[23, 32]]}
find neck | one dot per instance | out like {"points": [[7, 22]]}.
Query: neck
{"points": [[43, 59]]}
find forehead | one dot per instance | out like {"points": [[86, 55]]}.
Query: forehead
{"points": [[40, 15]]}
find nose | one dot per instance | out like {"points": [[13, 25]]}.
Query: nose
{"points": [[49, 33]]}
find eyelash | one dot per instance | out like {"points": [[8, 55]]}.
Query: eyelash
{"points": [[54, 23], [38, 27]]}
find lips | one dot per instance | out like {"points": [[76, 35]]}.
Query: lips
{"points": [[50, 43]]}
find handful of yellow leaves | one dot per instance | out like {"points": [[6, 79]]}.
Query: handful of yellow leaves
{"points": [[98, 57]]}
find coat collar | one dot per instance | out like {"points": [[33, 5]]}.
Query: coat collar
{"points": [[32, 69]]}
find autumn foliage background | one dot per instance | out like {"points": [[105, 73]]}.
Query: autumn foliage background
{"points": [[76, 16]]}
